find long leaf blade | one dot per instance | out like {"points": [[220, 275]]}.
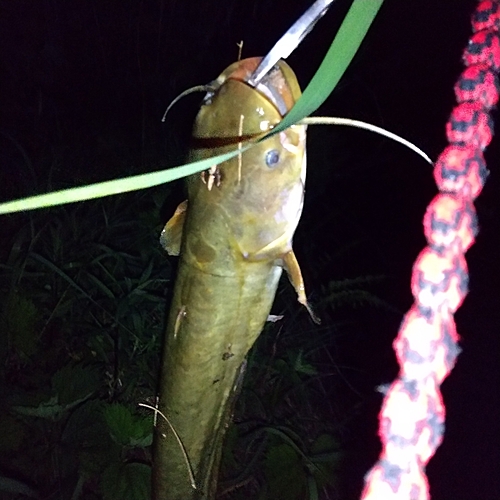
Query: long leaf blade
{"points": [[341, 52]]}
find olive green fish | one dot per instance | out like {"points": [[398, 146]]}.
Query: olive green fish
{"points": [[234, 237]]}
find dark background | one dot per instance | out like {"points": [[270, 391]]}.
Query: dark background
{"points": [[84, 85]]}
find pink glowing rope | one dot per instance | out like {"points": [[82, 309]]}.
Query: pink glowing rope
{"points": [[412, 415]]}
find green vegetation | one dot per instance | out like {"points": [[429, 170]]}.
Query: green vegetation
{"points": [[84, 292]]}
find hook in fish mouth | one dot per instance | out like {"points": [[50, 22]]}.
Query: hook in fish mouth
{"points": [[290, 40]]}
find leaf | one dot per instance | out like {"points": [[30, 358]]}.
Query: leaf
{"points": [[324, 443], [71, 385], [86, 425], [285, 474], [338, 58], [45, 409], [9, 485], [127, 429], [312, 487], [50, 409], [131, 481], [301, 366], [19, 319], [325, 460], [74, 383], [87, 436], [101, 286]]}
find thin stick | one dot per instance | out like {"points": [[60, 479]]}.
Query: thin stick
{"points": [[328, 120], [240, 49], [183, 449], [240, 134]]}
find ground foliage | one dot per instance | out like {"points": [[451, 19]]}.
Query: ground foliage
{"points": [[84, 291]]}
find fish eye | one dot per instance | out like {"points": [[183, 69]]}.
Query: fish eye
{"points": [[272, 158]]}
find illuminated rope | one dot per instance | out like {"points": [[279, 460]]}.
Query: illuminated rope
{"points": [[412, 415]]}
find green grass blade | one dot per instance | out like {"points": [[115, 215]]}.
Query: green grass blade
{"points": [[108, 188], [336, 61], [340, 54]]}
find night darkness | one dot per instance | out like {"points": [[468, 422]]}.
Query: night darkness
{"points": [[84, 85]]}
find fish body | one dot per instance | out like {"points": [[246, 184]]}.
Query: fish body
{"points": [[234, 236]]}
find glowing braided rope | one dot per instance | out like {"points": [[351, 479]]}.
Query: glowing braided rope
{"points": [[412, 415]]}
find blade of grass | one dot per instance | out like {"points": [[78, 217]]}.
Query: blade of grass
{"points": [[75, 285], [343, 48], [340, 54]]}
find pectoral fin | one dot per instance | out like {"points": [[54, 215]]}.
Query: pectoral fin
{"points": [[295, 275], [171, 236]]}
